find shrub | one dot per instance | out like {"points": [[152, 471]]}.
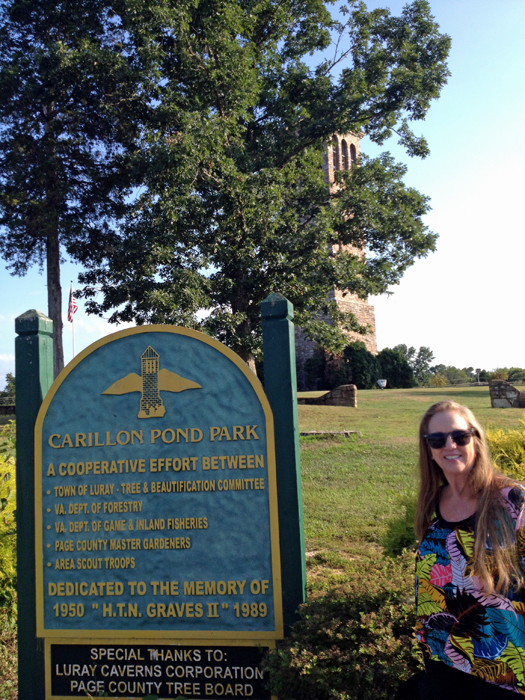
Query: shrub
{"points": [[395, 369], [7, 520], [8, 658], [314, 374], [439, 380], [357, 366], [355, 643], [501, 373], [508, 450]]}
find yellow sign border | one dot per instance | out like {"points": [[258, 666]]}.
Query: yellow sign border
{"points": [[187, 642], [278, 633]]}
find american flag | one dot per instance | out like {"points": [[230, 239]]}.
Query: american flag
{"points": [[72, 307]]}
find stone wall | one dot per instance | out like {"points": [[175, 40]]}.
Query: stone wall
{"points": [[504, 395], [364, 313], [304, 349], [344, 395]]}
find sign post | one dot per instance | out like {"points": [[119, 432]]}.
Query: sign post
{"points": [[281, 389], [149, 549], [34, 373]]}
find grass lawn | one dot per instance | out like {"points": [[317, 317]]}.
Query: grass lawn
{"points": [[352, 487]]}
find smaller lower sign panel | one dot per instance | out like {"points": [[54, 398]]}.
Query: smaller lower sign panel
{"points": [[212, 671]]}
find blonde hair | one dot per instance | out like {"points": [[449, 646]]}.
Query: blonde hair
{"points": [[499, 569]]}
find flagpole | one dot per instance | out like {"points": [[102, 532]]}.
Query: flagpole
{"points": [[71, 310], [72, 319]]}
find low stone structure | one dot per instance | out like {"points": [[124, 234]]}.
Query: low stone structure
{"points": [[504, 395], [344, 395]]}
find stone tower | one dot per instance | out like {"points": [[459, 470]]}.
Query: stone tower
{"points": [[340, 155]]}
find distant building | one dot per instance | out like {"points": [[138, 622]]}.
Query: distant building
{"points": [[341, 155]]}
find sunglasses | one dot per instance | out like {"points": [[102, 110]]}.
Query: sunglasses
{"points": [[459, 437]]}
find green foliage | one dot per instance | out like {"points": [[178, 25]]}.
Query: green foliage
{"points": [[508, 450], [357, 366], [231, 197], [72, 88], [7, 520], [501, 373], [512, 374], [352, 643], [421, 365], [315, 371], [438, 380], [8, 442], [9, 389], [8, 657], [454, 375], [419, 361], [395, 369]]}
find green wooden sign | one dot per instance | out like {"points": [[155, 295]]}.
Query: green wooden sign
{"points": [[155, 514]]}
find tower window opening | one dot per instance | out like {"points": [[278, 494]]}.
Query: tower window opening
{"points": [[353, 154], [335, 154], [344, 149]]}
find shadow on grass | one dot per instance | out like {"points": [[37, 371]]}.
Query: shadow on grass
{"points": [[458, 393], [400, 532]]}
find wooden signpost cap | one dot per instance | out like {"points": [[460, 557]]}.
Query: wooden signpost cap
{"points": [[276, 306], [33, 321]]}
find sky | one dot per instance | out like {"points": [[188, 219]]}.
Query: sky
{"points": [[463, 300]]}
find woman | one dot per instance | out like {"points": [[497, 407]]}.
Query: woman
{"points": [[469, 577]]}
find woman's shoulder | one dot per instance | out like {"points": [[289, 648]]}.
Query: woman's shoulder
{"points": [[514, 499], [514, 492]]}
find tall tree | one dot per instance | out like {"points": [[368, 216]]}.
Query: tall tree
{"points": [[409, 353], [419, 361], [233, 203], [9, 389], [395, 369], [452, 374], [71, 93], [421, 365]]}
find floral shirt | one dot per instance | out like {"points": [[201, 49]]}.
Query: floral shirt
{"points": [[459, 624]]}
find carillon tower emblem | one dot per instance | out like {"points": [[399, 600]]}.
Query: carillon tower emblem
{"points": [[152, 381], [151, 405]]}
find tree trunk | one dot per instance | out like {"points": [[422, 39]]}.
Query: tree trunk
{"points": [[241, 303], [54, 300], [250, 361], [54, 290]]}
